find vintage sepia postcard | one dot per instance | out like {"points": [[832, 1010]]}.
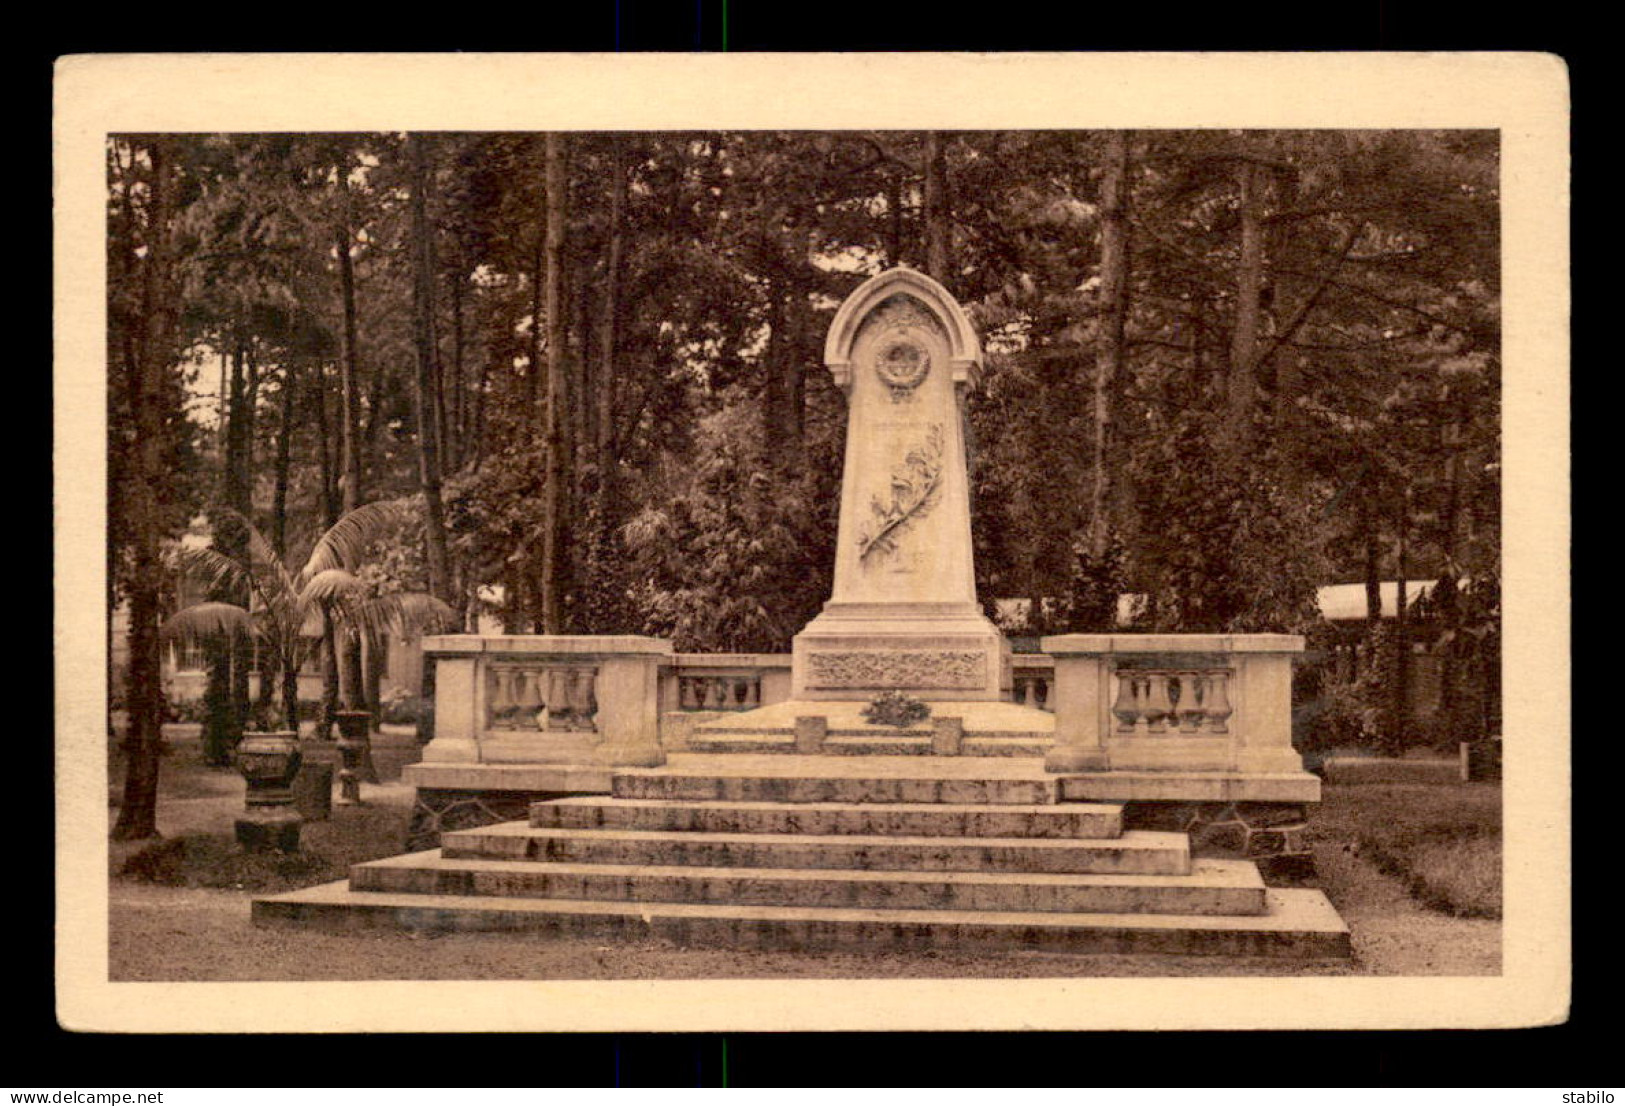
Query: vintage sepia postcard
{"points": [[724, 542]]}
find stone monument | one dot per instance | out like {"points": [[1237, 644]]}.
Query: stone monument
{"points": [[903, 613]]}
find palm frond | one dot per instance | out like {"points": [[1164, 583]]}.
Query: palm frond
{"points": [[333, 587], [345, 543], [260, 552], [209, 622], [375, 617], [211, 568]]}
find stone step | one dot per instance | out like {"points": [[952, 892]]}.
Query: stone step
{"points": [[1296, 923], [799, 779], [1139, 852], [1063, 820], [1212, 887], [712, 741]]}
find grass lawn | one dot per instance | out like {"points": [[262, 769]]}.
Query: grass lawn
{"points": [[1413, 868]]}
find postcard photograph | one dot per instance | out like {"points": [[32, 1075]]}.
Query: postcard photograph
{"points": [[812, 541]]}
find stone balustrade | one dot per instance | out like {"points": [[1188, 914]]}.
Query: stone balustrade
{"points": [[701, 682], [541, 695], [1196, 702], [534, 699], [1171, 700], [1032, 681]]}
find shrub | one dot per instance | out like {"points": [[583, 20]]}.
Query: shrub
{"points": [[896, 709], [405, 710]]}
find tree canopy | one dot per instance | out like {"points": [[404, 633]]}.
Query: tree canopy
{"points": [[1224, 367]]}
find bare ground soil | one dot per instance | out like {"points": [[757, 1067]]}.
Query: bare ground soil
{"points": [[190, 921]]}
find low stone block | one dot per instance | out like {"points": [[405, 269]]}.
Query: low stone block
{"points": [[811, 730], [947, 736], [313, 791], [269, 830], [1219, 838]]}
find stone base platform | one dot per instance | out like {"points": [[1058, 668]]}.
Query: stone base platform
{"points": [[784, 851], [1160, 786], [1297, 924], [990, 730], [465, 796]]}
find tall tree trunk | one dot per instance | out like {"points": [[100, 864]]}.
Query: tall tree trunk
{"points": [[578, 437], [284, 457], [1446, 594], [428, 392], [536, 371], [938, 220], [330, 677], [331, 503], [225, 694], [1114, 293], [347, 644], [240, 497], [1241, 386], [332, 508], [457, 417], [350, 379], [477, 429], [290, 690], [1372, 538], [154, 344], [552, 607], [775, 386], [1401, 685], [894, 221], [608, 336], [270, 658]]}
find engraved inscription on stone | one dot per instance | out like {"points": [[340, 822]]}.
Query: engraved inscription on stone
{"points": [[872, 668]]}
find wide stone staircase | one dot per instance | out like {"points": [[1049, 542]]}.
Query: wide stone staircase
{"points": [[780, 851]]}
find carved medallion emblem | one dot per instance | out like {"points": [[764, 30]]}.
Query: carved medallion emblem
{"points": [[901, 363]]}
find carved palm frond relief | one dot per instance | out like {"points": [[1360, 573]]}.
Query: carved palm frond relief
{"points": [[914, 491]]}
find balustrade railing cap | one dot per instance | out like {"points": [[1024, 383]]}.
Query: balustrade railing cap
{"points": [[539, 644], [731, 660], [1093, 644]]}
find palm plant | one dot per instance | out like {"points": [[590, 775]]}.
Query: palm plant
{"points": [[291, 611]]}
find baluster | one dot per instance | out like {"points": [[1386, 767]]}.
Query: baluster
{"points": [[753, 692], [1046, 687], [501, 700], [1029, 696], [1191, 694], [582, 700], [1217, 705], [558, 699], [1157, 705], [529, 699], [1127, 707], [714, 695], [688, 685]]}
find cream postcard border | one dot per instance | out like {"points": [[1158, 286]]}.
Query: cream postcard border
{"points": [[1525, 96]]}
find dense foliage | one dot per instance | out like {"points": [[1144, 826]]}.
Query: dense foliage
{"points": [[1224, 367]]}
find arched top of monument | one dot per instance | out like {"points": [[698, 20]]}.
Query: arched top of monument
{"points": [[964, 350]]}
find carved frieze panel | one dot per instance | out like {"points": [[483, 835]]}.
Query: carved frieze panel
{"points": [[913, 668]]}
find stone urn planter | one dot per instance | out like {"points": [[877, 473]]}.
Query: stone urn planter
{"points": [[270, 821]]}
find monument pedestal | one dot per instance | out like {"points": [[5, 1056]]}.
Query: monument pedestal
{"points": [[855, 651], [903, 614]]}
